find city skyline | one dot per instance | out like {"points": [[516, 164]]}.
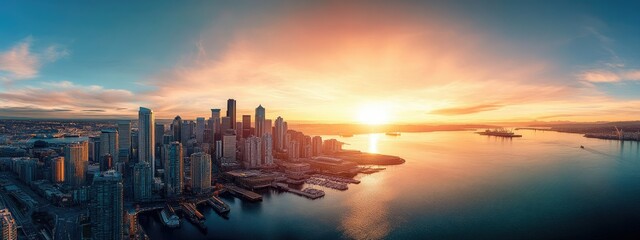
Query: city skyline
{"points": [[411, 62]]}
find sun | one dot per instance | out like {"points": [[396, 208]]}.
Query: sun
{"points": [[373, 115]]}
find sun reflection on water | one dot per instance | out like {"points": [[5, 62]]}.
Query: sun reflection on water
{"points": [[373, 142]]}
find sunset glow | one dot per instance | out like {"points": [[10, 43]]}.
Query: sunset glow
{"points": [[434, 63]]}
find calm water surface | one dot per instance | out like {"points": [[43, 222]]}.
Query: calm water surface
{"points": [[454, 185]]}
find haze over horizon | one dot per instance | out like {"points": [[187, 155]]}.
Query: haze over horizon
{"points": [[328, 61]]}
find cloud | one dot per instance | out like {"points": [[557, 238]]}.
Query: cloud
{"points": [[320, 68], [19, 62], [608, 76], [466, 110], [53, 98]]}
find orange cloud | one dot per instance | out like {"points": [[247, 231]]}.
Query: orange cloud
{"points": [[466, 110]]}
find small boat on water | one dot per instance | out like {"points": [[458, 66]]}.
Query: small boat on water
{"points": [[581, 146], [395, 134], [169, 217]]}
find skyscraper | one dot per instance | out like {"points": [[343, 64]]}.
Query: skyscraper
{"points": [[8, 225], [246, 126], [159, 133], [267, 149], [106, 206], [124, 140], [317, 146], [228, 149], [57, 170], [200, 172], [225, 127], [200, 130], [186, 131], [252, 152], [76, 157], [260, 117], [108, 144], [215, 129], [142, 181], [280, 133], [231, 112], [173, 169], [176, 128], [268, 127], [146, 138], [293, 150], [94, 148]]}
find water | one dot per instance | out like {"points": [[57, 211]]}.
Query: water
{"points": [[454, 185]]}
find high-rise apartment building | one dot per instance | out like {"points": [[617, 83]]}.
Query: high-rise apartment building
{"points": [[106, 206]]}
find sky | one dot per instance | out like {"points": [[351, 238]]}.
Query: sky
{"points": [[323, 61]]}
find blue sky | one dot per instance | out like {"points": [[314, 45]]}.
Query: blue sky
{"points": [[579, 60]]}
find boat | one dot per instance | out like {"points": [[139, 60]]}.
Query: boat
{"points": [[169, 217], [499, 133], [581, 146], [218, 205], [395, 134]]}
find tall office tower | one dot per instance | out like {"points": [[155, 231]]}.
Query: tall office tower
{"points": [[108, 144], [279, 134], [228, 149], [268, 127], [225, 127], [316, 149], [174, 169], [124, 140], [8, 225], [260, 116], [200, 172], [106, 206], [231, 112], [159, 133], [246, 126], [142, 181], [176, 129], [57, 170], [293, 150], [106, 163], [238, 130], [218, 151], [200, 130], [215, 129], [94, 149], [76, 159], [186, 131], [251, 153], [146, 138], [267, 149], [134, 147]]}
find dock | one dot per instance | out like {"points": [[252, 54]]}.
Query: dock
{"points": [[249, 195], [310, 193], [193, 214]]}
